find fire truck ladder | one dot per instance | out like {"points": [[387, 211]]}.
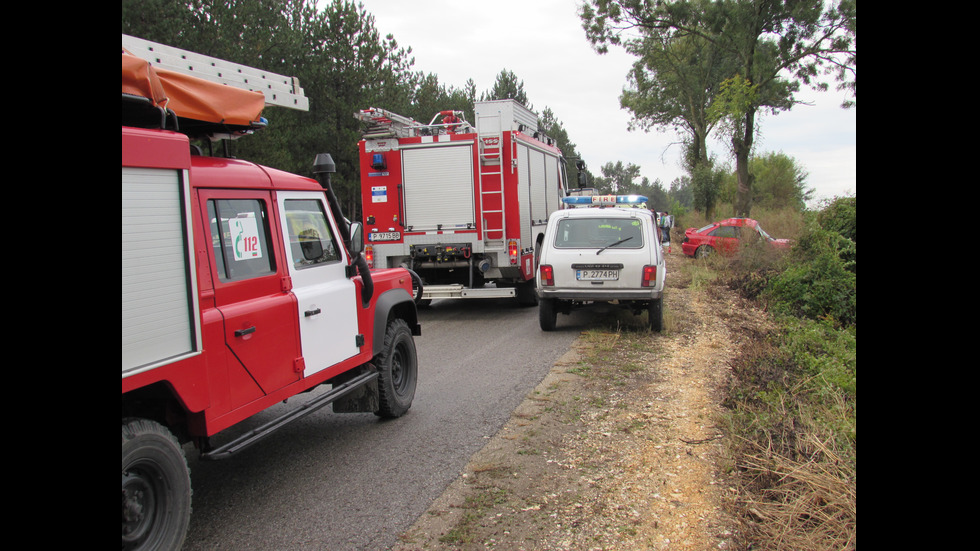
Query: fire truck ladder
{"points": [[278, 90], [492, 164], [386, 124]]}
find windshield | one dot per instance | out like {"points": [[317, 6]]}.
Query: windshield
{"points": [[598, 233]]}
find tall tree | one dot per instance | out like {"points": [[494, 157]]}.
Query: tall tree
{"points": [[333, 48], [777, 45], [706, 183], [657, 198], [681, 192], [671, 85], [508, 86], [427, 97], [780, 182], [620, 177], [553, 128]]}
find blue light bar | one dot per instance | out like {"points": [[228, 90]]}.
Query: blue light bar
{"points": [[605, 200]]}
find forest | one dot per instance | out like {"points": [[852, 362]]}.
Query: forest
{"points": [[344, 64]]}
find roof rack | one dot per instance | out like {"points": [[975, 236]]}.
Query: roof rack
{"points": [[382, 123], [279, 90], [386, 124]]}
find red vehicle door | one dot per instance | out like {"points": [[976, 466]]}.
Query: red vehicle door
{"points": [[250, 288], [726, 239]]}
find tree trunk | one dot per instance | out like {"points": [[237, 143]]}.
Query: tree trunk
{"points": [[742, 146]]}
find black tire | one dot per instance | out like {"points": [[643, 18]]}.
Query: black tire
{"points": [[526, 293], [656, 314], [416, 286], [398, 367], [703, 251], [156, 487], [547, 315]]}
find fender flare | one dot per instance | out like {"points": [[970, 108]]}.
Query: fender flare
{"points": [[393, 303]]}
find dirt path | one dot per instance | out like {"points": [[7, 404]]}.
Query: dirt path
{"points": [[618, 448]]}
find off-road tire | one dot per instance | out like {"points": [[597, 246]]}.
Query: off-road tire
{"points": [[547, 315], [398, 370], [656, 314], [526, 293], [156, 487]]}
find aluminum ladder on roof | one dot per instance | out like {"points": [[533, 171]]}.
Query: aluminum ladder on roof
{"points": [[491, 137], [279, 90], [386, 124]]}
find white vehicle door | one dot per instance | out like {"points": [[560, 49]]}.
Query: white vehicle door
{"points": [[326, 296]]}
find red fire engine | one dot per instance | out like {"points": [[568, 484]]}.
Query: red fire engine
{"points": [[463, 206], [242, 287]]}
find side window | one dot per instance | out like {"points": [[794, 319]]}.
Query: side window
{"points": [[725, 231], [310, 240], [240, 238]]}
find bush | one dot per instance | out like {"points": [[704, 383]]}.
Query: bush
{"points": [[793, 396], [801, 379], [793, 412], [840, 216], [820, 279]]}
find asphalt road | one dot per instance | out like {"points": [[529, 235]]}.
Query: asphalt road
{"points": [[337, 482]]}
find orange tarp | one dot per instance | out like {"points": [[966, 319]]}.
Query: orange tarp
{"points": [[190, 97]]}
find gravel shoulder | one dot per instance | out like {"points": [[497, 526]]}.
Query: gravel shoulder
{"points": [[619, 447]]}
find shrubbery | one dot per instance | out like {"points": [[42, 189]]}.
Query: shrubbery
{"points": [[820, 279], [793, 397]]}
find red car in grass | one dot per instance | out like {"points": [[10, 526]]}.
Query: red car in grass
{"points": [[726, 237]]}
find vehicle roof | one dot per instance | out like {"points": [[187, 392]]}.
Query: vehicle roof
{"points": [[738, 222], [219, 172], [580, 212]]}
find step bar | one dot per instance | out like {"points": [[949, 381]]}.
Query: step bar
{"points": [[253, 436]]}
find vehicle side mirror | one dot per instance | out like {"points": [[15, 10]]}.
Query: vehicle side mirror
{"points": [[356, 238]]}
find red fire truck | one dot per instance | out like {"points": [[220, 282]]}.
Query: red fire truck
{"points": [[242, 287], [464, 206]]}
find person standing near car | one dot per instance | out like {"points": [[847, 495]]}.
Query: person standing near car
{"points": [[666, 222], [656, 225]]}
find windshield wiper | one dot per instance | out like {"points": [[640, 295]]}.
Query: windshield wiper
{"points": [[614, 244]]}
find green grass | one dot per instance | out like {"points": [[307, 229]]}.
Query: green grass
{"points": [[792, 402], [475, 507]]}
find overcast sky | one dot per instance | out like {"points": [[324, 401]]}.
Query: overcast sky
{"points": [[542, 42]]}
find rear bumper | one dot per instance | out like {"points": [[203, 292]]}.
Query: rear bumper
{"points": [[600, 294]]}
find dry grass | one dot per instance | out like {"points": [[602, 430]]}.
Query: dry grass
{"points": [[801, 505], [791, 414]]}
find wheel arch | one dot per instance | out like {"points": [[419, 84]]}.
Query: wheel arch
{"points": [[394, 303], [158, 402]]}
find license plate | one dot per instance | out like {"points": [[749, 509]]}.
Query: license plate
{"points": [[597, 275], [384, 236]]}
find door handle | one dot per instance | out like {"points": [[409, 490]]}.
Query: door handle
{"points": [[243, 332], [309, 313]]}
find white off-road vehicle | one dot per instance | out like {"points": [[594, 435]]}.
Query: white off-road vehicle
{"points": [[606, 252]]}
